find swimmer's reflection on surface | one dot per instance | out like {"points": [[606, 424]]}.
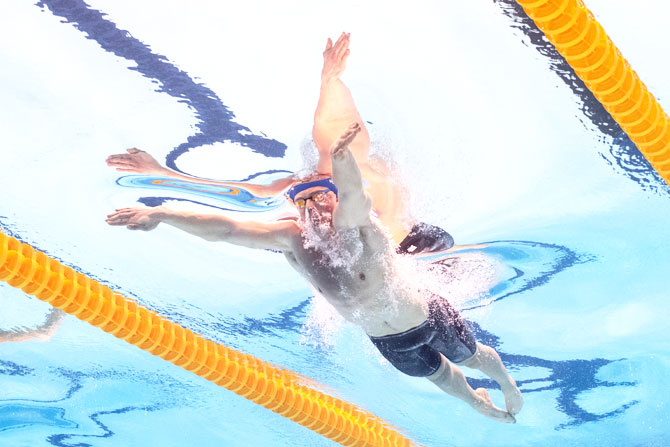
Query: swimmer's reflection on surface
{"points": [[43, 332]]}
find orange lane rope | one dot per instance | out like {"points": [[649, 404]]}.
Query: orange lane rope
{"points": [[581, 40], [276, 389]]}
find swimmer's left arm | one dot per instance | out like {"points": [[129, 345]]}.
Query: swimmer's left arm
{"points": [[211, 227], [354, 205]]}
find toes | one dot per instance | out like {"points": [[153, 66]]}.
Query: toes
{"points": [[504, 416], [513, 400], [488, 409]]}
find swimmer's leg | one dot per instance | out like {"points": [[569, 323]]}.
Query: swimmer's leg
{"points": [[336, 109], [488, 361], [452, 381]]}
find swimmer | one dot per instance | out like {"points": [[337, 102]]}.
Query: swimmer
{"points": [[42, 332], [334, 111], [340, 248]]}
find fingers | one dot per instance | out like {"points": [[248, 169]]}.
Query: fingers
{"points": [[125, 222], [131, 218], [121, 159], [340, 39], [125, 211], [345, 56], [121, 216], [122, 162], [347, 137], [117, 158], [343, 46], [352, 129], [350, 133], [117, 220]]}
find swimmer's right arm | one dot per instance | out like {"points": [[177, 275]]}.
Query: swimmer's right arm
{"points": [[354, 205], [211, 227]]}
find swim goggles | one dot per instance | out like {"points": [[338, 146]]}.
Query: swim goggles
{"points": [[318, 196]]}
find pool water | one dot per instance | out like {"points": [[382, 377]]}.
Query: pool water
{"points": [[492, 135]]}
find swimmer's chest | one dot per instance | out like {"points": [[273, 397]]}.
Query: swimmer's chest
{"points": [[350, 270]]}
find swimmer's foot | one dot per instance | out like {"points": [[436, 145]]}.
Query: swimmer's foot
{"points": [[513, 398], [485, 406]]}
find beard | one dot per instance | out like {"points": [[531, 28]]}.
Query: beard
{"points": [[318, 222], [317, 230], [337, 247]]}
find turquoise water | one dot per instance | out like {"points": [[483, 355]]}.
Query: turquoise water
{"points": [[494, 140]]}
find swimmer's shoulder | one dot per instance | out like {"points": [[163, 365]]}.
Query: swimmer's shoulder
{"points": [[290, 231]]}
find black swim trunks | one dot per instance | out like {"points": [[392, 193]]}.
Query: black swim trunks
{"points": [[416, 352], [426, 238]]}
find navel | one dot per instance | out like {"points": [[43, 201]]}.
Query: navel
{"points": [[362, 276]]}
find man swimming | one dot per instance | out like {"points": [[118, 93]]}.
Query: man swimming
{"points": [[334, 111], [342, 250]]}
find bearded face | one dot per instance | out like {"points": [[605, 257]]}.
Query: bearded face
{"points": [[316, 206]]}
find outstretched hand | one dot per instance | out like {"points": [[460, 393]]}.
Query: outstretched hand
{"points": [[335, 57], [136, 161], [134, 218], [338, 148]]}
